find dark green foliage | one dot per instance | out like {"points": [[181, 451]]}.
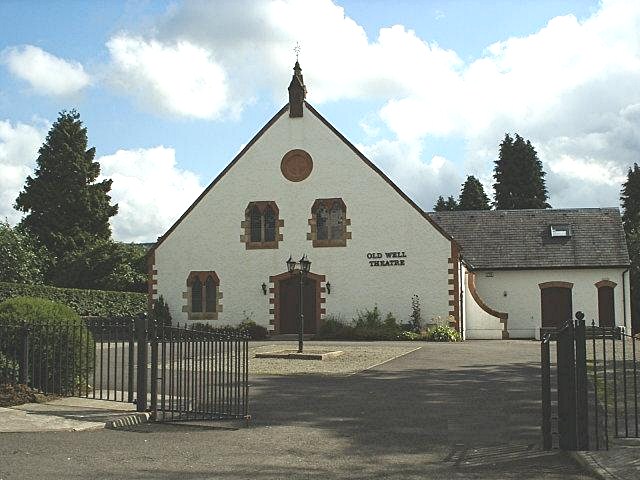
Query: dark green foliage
{"points": [[104, 265], [56, 348], [65, 208], [21, 259], [443, 333], [416, 314], [443, 205], [367, 325], [255, 331], [630, 198], [519, 176], [95, 303], [160, 311], [247, 327], [472, 196]]}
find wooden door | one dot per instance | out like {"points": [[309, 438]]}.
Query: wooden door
{"points": [[556, 306], [606, 311], [289, 300]]}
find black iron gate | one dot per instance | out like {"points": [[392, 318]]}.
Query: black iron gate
{"points": [[194, 374], [176, 373], [592, 393]]}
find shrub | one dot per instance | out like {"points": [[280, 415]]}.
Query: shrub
{"points": [[9, 370], [22, 260], [334, 328], [367, 325], [86, 303], [160, 312], [443, 333], [250, 328], [255, 331], [59, 342], [415, 319]]}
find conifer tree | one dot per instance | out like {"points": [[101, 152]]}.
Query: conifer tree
{"points": [[443, 205], [66, 209], [519, 176], [472, 196], [630, 198]]}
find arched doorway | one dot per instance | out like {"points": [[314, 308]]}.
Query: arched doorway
{"points": [[286, 302], [606, 306], [556, 304]]}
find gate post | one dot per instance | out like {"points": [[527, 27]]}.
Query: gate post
{"points": [[24, 356], [153, 337], [567, 387], [545, 374], [141, 337], [132, 346], [582, 409]]}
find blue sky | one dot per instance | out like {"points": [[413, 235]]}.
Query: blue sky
{"points": [[170, 91]]}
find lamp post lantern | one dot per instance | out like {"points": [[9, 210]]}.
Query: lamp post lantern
{"points": [[305, 266]]}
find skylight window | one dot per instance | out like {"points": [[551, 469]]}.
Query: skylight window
{"points": [[560, 231]]}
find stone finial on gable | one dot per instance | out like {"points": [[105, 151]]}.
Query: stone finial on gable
{"points": [[297, 92]]}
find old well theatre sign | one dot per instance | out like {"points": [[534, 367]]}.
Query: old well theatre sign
{"points": [[386, 259]]}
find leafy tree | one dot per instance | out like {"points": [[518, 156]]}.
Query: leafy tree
{"points": [[472, 196], [630, 198], [66, 209], [443, 205], [21, 259], [519, 176], [105, 265]]}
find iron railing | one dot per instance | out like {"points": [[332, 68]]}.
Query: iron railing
{"points": [[592, 393], [176, 373]]}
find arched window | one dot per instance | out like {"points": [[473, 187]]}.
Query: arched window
{"points": [[261, 225], [269, 224], [256, 224], [203, 296], [210, 295], [322, 223], [196, 295], [329, 223]]}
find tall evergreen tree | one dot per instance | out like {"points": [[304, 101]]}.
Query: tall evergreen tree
{"points": [[443, 205], [630, 198], [472, 196], [519, 176], [66, 209]]}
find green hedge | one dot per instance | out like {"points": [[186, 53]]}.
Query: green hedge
{"points": [[95, 303]]}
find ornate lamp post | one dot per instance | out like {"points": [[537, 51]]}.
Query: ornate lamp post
{"points": [[305, 265]]}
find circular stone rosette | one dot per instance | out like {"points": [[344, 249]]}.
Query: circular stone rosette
{"points": [[296, 165]]}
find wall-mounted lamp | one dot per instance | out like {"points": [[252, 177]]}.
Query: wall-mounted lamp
{"points": [[329, 287], [504, 294], [264, 288]]}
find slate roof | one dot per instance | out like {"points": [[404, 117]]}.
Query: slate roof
{"points": [[521, 239]]}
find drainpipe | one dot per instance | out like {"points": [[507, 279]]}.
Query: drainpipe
{"points": [[624, 301], [461, 280]]}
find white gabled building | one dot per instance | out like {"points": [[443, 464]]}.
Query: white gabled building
{"points": [[299, 187], [527, 269]]}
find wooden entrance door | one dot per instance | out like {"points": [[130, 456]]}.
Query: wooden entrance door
{"points": [[289, 300], [556, 306], [606, 311]]}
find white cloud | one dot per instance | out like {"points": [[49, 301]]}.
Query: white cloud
{"points": [[571, 87], [19, 144], [151, 192], [422, 181], [45, 73], [178, 77]]}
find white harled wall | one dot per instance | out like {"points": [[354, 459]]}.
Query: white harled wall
{"points": [[381, 221], [517, 293]]}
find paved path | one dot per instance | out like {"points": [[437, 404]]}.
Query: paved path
{"points": [[446, 411]]}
